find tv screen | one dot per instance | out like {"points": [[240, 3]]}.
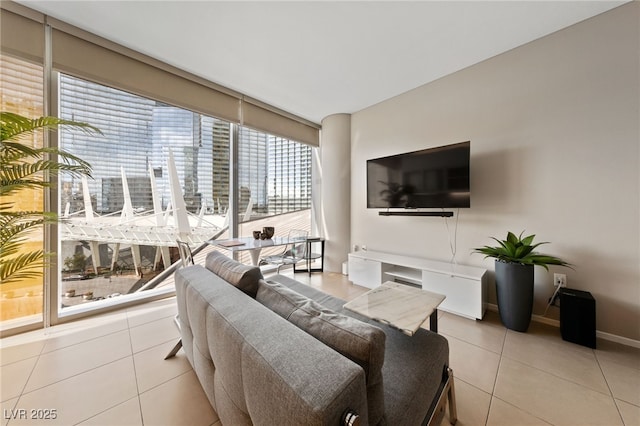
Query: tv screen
{"points": [[435, 177]]}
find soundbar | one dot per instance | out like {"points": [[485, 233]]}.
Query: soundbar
{"points": [[412, 213]]}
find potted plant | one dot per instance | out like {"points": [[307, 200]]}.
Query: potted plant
{"points": [[22, 167], [514, 265]]}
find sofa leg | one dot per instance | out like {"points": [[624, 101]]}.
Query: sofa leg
{"points": [[451, 394], [440, 406], [175, 350]]}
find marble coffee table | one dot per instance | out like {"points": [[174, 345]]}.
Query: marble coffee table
{"points": [[400, 306]]}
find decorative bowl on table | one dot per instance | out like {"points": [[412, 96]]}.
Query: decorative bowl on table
{"points": [[268, 231]]}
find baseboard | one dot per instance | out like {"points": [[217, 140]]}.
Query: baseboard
{"points": [[545, 320], [556, 323], [618, 339]]}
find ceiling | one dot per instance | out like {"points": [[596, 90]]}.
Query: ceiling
{"points": [[319, 58]]}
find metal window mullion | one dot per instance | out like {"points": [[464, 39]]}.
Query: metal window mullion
{"points": [[51, 241], [234, 187]]}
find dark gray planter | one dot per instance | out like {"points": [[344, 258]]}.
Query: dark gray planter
{"points": [[514, 288]]}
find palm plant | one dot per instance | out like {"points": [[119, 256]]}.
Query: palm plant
{"points": [[519, 250], [23, 167]]}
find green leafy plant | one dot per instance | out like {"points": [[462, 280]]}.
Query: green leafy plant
{"points": [[520, 250], [75, 262], [23, 167]]}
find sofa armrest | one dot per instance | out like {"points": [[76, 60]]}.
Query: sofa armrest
{"points": [[312, 381]]}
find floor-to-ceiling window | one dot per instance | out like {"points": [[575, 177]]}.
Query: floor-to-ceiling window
{"points": [[110, 243], [274, 173], [21, 92], [165, 155], [274, 176], [131, 165]]}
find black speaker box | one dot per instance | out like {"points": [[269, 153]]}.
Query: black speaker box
{"points": [[578, 317]]}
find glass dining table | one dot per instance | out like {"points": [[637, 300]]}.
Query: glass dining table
{"points": [[255, 246], [249, 244]]}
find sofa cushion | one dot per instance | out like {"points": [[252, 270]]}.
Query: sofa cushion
{"points": [[243, 276], [279, 298], [362, 343]]}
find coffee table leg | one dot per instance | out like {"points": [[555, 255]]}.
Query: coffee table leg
{"points": [[433, 321]]}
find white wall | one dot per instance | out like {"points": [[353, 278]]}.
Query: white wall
{"points": [[554, 130]]}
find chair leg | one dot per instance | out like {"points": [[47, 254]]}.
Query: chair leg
{"points": [[175, 350]]}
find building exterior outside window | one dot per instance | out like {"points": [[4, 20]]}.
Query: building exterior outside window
{"points": [[274, 177], [274, 172]]}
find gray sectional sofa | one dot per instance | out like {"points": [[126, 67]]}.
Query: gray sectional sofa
{"points": [[279, 352]]}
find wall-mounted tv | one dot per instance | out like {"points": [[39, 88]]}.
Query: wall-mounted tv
{"points": [[429, 178]]}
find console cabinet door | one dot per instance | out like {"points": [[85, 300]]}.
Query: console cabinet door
{"points": [[364, 272], [464, 295]]}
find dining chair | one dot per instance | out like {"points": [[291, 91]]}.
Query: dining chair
{"points": [[186, 256], [294, 251]]}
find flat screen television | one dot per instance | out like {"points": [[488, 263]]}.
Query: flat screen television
{"points": [[429, 178]]}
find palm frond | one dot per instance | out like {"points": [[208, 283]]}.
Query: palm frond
{"points": [[23, 167], [14, 126], [16, 151], [15, 177], [24, 266], [19, 228]]}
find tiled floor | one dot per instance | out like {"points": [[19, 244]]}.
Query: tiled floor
{"points": [[109, 370]]}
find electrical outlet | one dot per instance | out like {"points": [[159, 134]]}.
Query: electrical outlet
{"points": [[560, 280]]}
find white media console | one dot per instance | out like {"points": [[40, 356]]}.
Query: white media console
{"points": [[465, 287]]}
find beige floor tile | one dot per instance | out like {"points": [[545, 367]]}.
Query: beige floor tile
{"points": [[14, 377], [545, 334], [620, 354], [171, 394], [473, 364], [71, 334], [553, 399], [125, 414], [64, 363], [20, 352], [623, 381], [153, 333], [153, 311], [180, 401], [472, 405], [504, 414], [630, 413], [152, 369], [553, 355], [83, 396], [488, 333], [8, 412]]}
